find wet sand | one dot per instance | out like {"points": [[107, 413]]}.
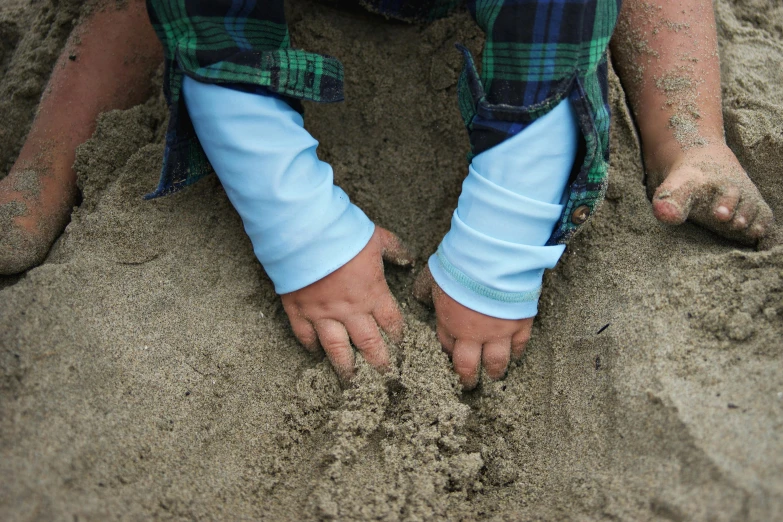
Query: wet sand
{"points": [[148, 370]]}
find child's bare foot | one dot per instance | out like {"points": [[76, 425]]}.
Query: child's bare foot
{"points": [[667, 57], [106, 65], [708, 186], [34, 207]]}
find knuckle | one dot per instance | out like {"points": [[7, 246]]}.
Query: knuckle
{"points": [[333, 345], [497, 371], [370, 343], [292, 311], [463, 368], [496, 362]]}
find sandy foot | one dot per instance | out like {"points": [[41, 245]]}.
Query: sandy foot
{"points": [[33, 211], [708, 186]]}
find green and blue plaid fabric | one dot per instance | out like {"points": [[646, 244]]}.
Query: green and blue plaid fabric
{"points": [[537, 53]]}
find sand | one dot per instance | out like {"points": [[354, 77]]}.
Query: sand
{"points": [[148, 370]]}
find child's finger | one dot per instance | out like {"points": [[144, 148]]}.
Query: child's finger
{"points": [[495, 357], [304, 332], [367, 339], [446, 339], [422, 288], [465, 359], [393, 250], [388, 316], [519, 342], [335, 342]]}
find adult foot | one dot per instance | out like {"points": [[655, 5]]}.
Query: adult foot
{"points": [[707, 185]]}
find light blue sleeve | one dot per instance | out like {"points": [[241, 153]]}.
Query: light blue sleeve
{"points": [[301, 225], [492, 260]]}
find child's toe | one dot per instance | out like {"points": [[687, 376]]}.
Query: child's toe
{"points": [[671, 207], [495, 357], [725, 205], [746, 212], [761, 223], [673, 200]]}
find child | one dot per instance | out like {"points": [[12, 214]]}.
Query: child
{"points": [[538, 126]]}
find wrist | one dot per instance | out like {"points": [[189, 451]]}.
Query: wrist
{"points": [[493, 258], [326, 249], [481, 298]]}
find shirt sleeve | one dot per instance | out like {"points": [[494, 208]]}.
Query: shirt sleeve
{"points": [[493, 258], [302, 226]]}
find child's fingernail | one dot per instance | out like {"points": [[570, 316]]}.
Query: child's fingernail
{"points": [[723, 211]]}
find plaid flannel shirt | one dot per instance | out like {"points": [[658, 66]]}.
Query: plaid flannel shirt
{"points": [[537, 53]]}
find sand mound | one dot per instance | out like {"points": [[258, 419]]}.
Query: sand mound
{"points": [[148, 369]]}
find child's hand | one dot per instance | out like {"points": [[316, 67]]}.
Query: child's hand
{"points": [[351, 302], [472, 338]]}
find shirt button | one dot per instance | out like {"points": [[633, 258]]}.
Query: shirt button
{"points": [[580, 214]]}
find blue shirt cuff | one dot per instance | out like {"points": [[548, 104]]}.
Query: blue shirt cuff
{"points": [[492, 260], [480, 298]]}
